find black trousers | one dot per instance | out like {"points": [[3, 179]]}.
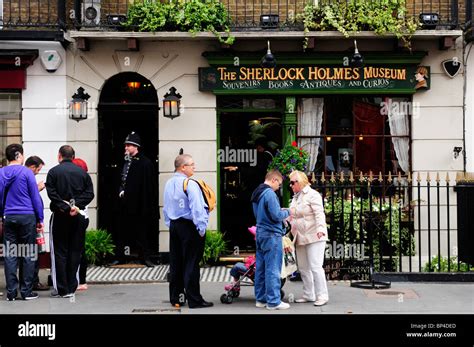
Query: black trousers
{"points": [[186, 250], [67, 235]]}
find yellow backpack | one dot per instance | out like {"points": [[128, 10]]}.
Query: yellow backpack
{"points": [[207, 192]]}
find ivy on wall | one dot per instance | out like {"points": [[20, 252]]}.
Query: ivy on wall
{"points": [[192, 16], [352, 16]]}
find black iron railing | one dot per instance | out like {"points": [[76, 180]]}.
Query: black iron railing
{"points": [[243, 14], [394, 225]]}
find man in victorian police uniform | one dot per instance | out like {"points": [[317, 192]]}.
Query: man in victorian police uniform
{"points": [[138, 202]]}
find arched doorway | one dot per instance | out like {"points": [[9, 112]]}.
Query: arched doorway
{"points": [[128, 102]]}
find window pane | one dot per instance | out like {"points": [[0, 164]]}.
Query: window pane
{"points": [[339, 115], [368, 120], [10, 122]]}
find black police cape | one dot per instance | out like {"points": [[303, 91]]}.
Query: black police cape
{"points": [[140, 194]]}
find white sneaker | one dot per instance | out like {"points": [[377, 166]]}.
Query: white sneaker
{"points": [[303, 300], [259, 304], [321, 302], [282, 306]]}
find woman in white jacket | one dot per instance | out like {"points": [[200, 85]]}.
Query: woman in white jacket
{"points": [[309, 229]]}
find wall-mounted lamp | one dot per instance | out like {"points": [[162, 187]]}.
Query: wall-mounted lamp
{"points": [[456, 151], [171, 103], [78, 105], [268, 59], [357, 60]]}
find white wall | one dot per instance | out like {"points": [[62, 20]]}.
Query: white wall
{"points": [[44, 117], [469, 54], [165, 64]]}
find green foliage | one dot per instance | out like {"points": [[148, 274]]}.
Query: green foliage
{"points": [[259, 132], [193, 16], [290, 158], [352, 224], [443, 265], [214, 246], [352, 16], [99, 244]]}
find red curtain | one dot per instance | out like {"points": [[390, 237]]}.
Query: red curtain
{"points": [[369, 150]]}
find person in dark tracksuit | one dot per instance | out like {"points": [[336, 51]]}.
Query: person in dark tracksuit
{"points": [[187, 217], [70, 191]]}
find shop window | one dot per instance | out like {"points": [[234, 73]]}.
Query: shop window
{"points": [[355, 134], [10, 121], [1, 14]]}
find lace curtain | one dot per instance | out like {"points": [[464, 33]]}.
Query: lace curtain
{"points": [[310, 119], [399, 126]]}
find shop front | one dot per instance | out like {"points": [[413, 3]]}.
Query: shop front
{"points": [[351, 120]]}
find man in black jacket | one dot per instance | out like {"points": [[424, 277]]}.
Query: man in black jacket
{"points": [[138, 202], [70, 191]]}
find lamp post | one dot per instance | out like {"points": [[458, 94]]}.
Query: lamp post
{"points": [[171, 103], [78, 105]]}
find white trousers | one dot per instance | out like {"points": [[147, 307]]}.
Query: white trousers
{"points": [[310, 260]]}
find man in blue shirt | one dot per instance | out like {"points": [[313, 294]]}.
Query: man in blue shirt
{"points": [[186, 215], [269, 216], [22, 211]]}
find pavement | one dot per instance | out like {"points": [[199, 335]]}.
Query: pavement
{"points": [[152, 298]]}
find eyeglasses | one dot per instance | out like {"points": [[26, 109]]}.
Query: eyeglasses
{"points": [[189, 164], [293, 182]]}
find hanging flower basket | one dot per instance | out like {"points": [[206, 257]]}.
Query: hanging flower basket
{"points": [[290, 158]]}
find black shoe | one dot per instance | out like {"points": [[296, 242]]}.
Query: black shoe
{"points": [[203, 304], [11, 297], [31, 296]]}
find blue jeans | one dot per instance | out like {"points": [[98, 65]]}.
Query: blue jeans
{"points": [[20, 230], [267, 274], [238, 270]]}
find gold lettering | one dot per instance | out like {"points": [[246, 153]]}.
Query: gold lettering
{"points": [[299, 74], [222, 72], [356, 74], [243, 74], [312, 73]]}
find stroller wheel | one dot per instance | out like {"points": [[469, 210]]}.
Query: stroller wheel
{"points": [[235, 293], [226, 299], [282, 294]]}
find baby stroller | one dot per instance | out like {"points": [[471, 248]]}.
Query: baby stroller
{"points": [[249, 275], [247, 278]]}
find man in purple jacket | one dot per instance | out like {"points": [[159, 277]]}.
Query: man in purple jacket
{"points": [[22, 211]]}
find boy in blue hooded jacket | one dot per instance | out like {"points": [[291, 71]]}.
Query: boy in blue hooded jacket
{"points": [[269, 216]]}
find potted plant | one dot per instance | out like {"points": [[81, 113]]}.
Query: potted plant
{"points": [[214, 246], [99, 245], [290, 158]]}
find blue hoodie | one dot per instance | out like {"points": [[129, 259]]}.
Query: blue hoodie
{"points": [[23, 196], [267, 211]]}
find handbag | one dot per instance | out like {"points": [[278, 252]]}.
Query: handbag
{"points": [[289, 258]]}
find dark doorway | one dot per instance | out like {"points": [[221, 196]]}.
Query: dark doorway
{"points": [[128, 102], [248, 142]]}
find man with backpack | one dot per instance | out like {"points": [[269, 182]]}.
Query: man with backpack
{"points": [[186, 214]]}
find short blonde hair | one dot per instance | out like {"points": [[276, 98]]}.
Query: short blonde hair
{"points": [[301, 177]]}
